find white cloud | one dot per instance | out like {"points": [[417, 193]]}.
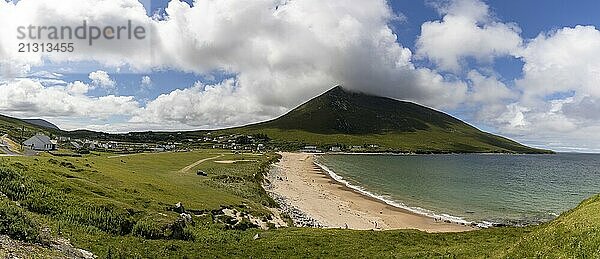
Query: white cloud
{"points": [[565, 60], [102, 79], [146, 82], [281, 52], [285, 53], [28, 98], [558, 94], [204, 106], [467, 30], [73, 13], [488, 89], [78, 88]]}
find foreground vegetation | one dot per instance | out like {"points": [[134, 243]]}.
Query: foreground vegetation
{"points": [[124, 206]]}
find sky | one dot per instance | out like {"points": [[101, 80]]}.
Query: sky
{"points": [[527, 70]]}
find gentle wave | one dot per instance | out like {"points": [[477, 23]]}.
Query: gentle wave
{"points": [[417, 210]]}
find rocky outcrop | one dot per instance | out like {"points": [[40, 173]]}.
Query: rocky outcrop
{"points": [[299, 218]]}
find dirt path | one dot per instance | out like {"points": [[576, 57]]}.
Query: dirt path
{"points": [[189, 167], [5, 146]]}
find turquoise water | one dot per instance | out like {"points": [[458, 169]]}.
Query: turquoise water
{"points": [[506, 189]]}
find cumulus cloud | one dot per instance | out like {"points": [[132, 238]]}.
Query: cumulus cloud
{"points": [[561, 77], [565, 60], [146, 81], [281, 53], [558, 95], [77, 88], [467, 30], [488, 89], [102, 79], [28, 98], [204, 106]]}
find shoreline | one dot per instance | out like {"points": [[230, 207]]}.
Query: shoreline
{"points": [[301, 187], [425, 154], [415, 210]]}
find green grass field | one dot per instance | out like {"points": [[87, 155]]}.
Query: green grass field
{"points": [[121, 207]]}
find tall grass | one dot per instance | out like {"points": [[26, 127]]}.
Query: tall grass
{"points": [[39, 197]]}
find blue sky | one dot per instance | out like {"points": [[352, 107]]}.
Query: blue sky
{"points": [[522, 69], [548, 15], [533, 17]]}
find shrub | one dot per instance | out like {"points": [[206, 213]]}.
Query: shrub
{"points": [[150, 229], [15, 223]]}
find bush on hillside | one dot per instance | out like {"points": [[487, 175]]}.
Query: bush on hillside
{"points": [[15, 223]]}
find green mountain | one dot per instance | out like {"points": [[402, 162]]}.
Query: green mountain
{"points": [[42, 123], [348, 119], [19, 130]]}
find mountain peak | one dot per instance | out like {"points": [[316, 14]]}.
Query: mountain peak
{"points": [[341, 116], [339, 111]]}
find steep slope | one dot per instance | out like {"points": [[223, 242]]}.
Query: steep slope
{"points": [[343, 118], [42, 123], [14, 128]]}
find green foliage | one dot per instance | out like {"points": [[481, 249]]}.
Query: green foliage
{"points": [[155, 227], [16, 223]]}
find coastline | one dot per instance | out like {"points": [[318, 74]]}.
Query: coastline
{"points": [[316, 199], [426, 154]]}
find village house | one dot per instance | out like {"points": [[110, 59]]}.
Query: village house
{"points": [[40, 142], [336, 149], [356, 148], [310, 149]]}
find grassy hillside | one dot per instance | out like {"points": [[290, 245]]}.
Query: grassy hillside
{"points": [[123, 206], [14, 128], [42, 123], [342, 118], [575, 234]]}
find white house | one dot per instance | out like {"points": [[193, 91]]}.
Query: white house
{"points": [[40, 142], [310, 149]]}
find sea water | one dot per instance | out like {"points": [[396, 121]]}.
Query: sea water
{"points": [[479, 188]]}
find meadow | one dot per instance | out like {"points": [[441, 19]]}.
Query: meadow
{"points": [[124, 207]]}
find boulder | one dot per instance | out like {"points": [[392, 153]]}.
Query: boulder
{"points": [[179, 208]]}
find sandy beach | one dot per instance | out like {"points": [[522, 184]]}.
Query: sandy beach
{"points": [[305, 187]]}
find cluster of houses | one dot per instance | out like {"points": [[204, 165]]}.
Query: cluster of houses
{"points": [[234, 142], [315, 149], [41, 142]]}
